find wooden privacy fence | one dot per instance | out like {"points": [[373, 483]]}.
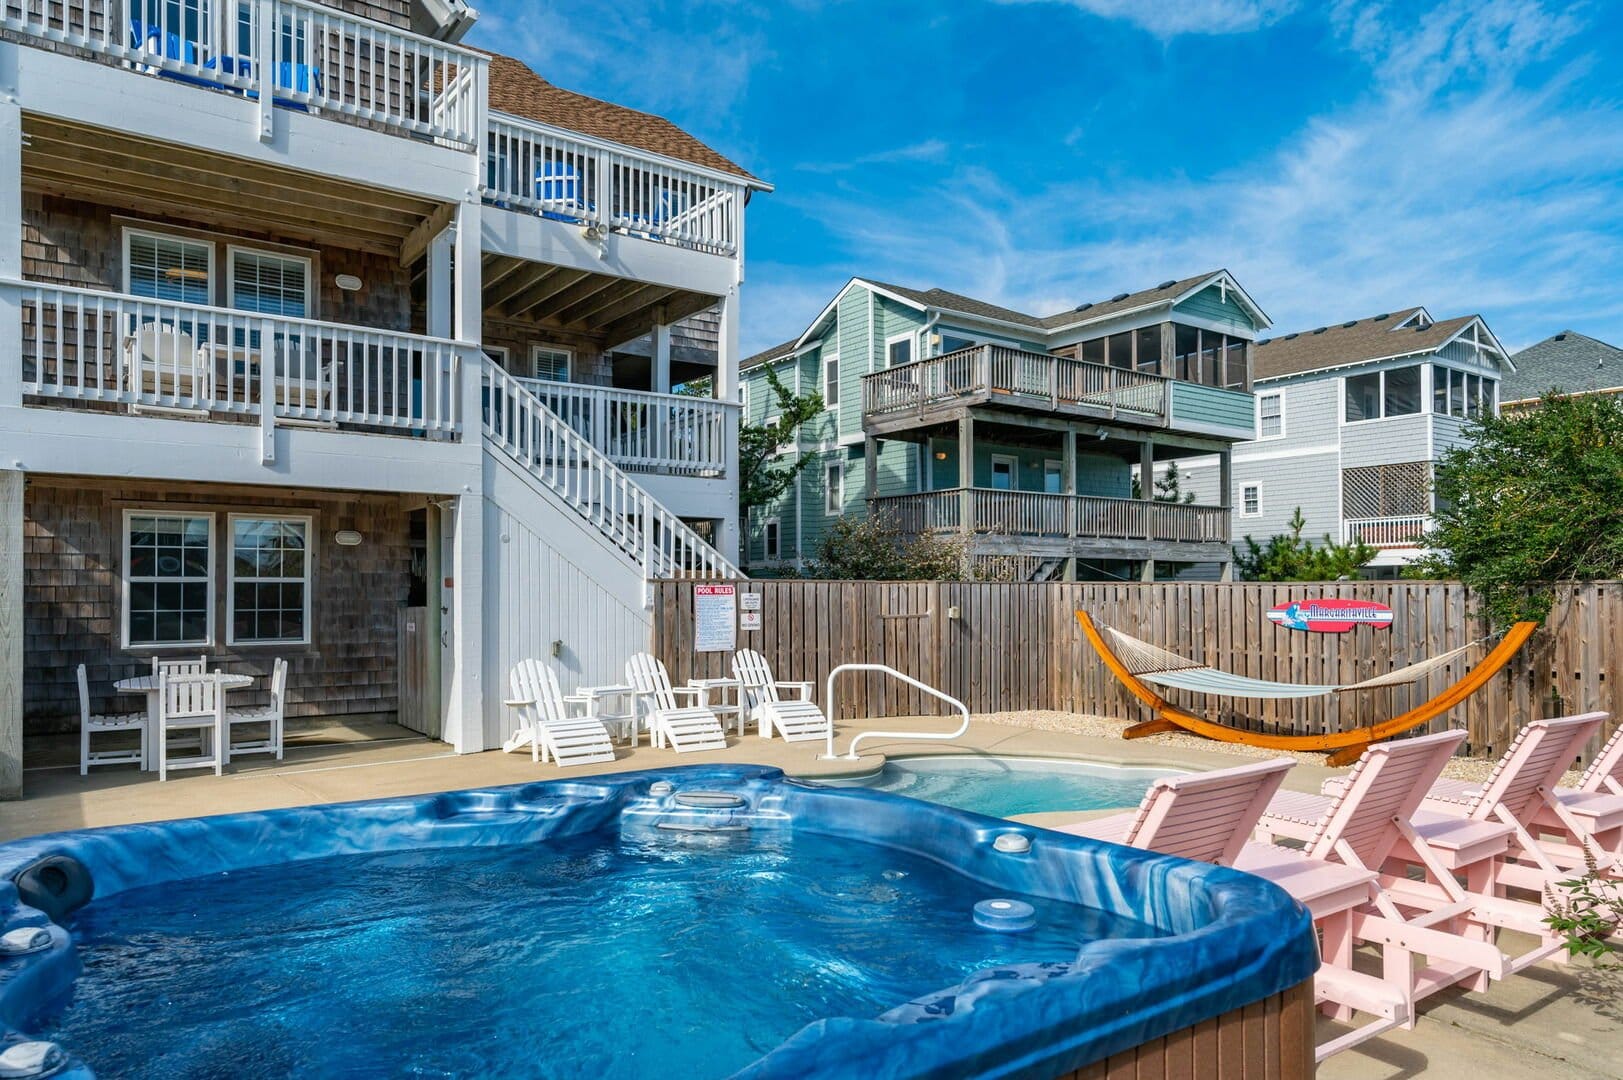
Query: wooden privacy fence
{"points": [[1004, 647]]}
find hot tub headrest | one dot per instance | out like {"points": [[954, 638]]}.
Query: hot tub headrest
{"points": [[58, 885]]}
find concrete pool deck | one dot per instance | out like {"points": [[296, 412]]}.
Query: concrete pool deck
{"points": [[1548, 1021]]}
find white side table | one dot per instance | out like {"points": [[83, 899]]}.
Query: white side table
{"points": [[622, 721], [719, 688]]}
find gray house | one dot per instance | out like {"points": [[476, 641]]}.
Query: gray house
{"points": [[1351, 418], [1569, 361]]}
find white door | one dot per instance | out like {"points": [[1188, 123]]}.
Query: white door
{"points": [[1005, 473]]}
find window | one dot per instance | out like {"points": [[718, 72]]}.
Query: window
{"points": [[269, 284], [771, 539], [834, 487], [1185, 351], [1121, 351], [1093, 352], [831, 380], [1053, 476], [1270, 416], [1364, 397], [168, 268], [1005, 473], [1378, 394], [496, 354], [1456, 393], [1250, 500], [167, 578], [1402, 396], [1149, 349], [1211, 358], [1235, 376], [551, 364], [899, 350], [269, 587]]}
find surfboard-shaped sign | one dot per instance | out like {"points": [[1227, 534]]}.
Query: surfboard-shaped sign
{"points": [[1325, 616]]}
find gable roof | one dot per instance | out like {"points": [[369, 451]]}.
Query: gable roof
{"points": [[1568, 361], [1167, 292], [1355, 342], [767, 356], [958, 302], [519, 91]]}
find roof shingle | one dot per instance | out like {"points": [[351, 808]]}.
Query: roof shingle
{"points": [[1568, 361], [1349, 343], [517, 90]]}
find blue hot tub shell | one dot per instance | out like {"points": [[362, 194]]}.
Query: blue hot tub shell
{"points": [[1233, 939]]}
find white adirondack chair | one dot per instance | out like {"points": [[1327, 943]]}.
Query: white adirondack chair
{"points": [[271, 715], [797, 719], [194, 704], [179, 665], [96, 723], [685, 728], [545, 724]]}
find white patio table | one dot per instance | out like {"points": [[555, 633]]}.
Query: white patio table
{"points": [[623, 721], [720, 688], [148, 685]]}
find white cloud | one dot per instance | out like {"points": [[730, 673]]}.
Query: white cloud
{"points": [[928, 150], [1169, 18], [1470, 179]]}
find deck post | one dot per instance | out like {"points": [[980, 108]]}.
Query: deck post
{"points": [[870, 467], [439, 283], [966, 472], [725, 387], [11, 634], [1225, 472], [661, 375], [11, 250]]}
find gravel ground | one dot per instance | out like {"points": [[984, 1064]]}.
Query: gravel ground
{"points": [[1107, 727]]}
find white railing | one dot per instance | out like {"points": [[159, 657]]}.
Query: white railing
{"points": [[86, 346], [320, 59], [1044, 514], [644, 432], [1015, 376], [938, 736], [564, 175], [560, 458], [1406, 531]]}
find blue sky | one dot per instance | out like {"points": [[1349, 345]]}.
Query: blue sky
{"points": [[1341, 159]]}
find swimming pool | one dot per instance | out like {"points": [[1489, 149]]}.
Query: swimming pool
{"points": [[1005, 786], [703, 921]]}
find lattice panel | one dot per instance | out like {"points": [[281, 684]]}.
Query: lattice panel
{"points": [[1398, 490]]}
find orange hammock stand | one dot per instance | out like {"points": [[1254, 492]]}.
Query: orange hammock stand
{"points": [[1345, 746]]}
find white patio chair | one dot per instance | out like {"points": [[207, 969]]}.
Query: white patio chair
{"points": [[196, 704], [179, 665], [546, 725], [271, 715], [97, 723], [797, 719], [685, 727]]}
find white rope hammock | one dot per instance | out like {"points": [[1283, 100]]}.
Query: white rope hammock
{"points": [[1153, 664]]}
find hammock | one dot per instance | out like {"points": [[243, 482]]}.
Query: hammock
{"points": [[1153, 664], [1138, 663]]}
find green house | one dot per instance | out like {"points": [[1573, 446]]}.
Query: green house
{"points": [[1028, 434]]}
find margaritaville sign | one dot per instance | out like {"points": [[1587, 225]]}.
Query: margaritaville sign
{"points": [[1326, 616]]}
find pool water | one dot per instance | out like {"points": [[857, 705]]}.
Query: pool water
{"points": [[616, 953], [1005, 786]]}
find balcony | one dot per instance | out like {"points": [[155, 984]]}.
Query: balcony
{"points": [[642, 432], [1406, 531], [564, 176], [104, 351], [1045, 516], [1003, 377], [286, 54]]}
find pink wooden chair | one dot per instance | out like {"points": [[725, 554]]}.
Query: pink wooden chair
{"points": [[1210, 816], [1550, 832]]}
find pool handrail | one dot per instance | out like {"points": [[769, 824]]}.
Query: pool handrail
{"points": [[851, 750]]}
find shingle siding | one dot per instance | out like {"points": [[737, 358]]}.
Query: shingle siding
{"points": [[1210, 304]]}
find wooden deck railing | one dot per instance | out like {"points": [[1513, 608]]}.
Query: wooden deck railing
{"points": [[288, 53], [87, 347], [1041, 514], [568, 176], [1025, 377], [644, 432], [1387, 532]]}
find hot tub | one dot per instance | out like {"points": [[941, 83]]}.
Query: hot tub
{"points": [[699, 921]]}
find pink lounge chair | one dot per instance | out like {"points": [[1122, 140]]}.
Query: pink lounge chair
{"points": [[1551, 830], [1210, 816]]}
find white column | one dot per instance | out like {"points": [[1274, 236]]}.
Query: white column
{"points": [[469, 278], [11, 249], [726, 389], [662, 354], [440, 284], [464, 694]]}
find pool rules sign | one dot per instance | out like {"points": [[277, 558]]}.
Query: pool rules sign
{"points": [[715, 618]]}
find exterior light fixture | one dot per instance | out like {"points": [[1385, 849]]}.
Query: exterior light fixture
{"points": [[348, 282], [347, 538], [941, 455]]}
